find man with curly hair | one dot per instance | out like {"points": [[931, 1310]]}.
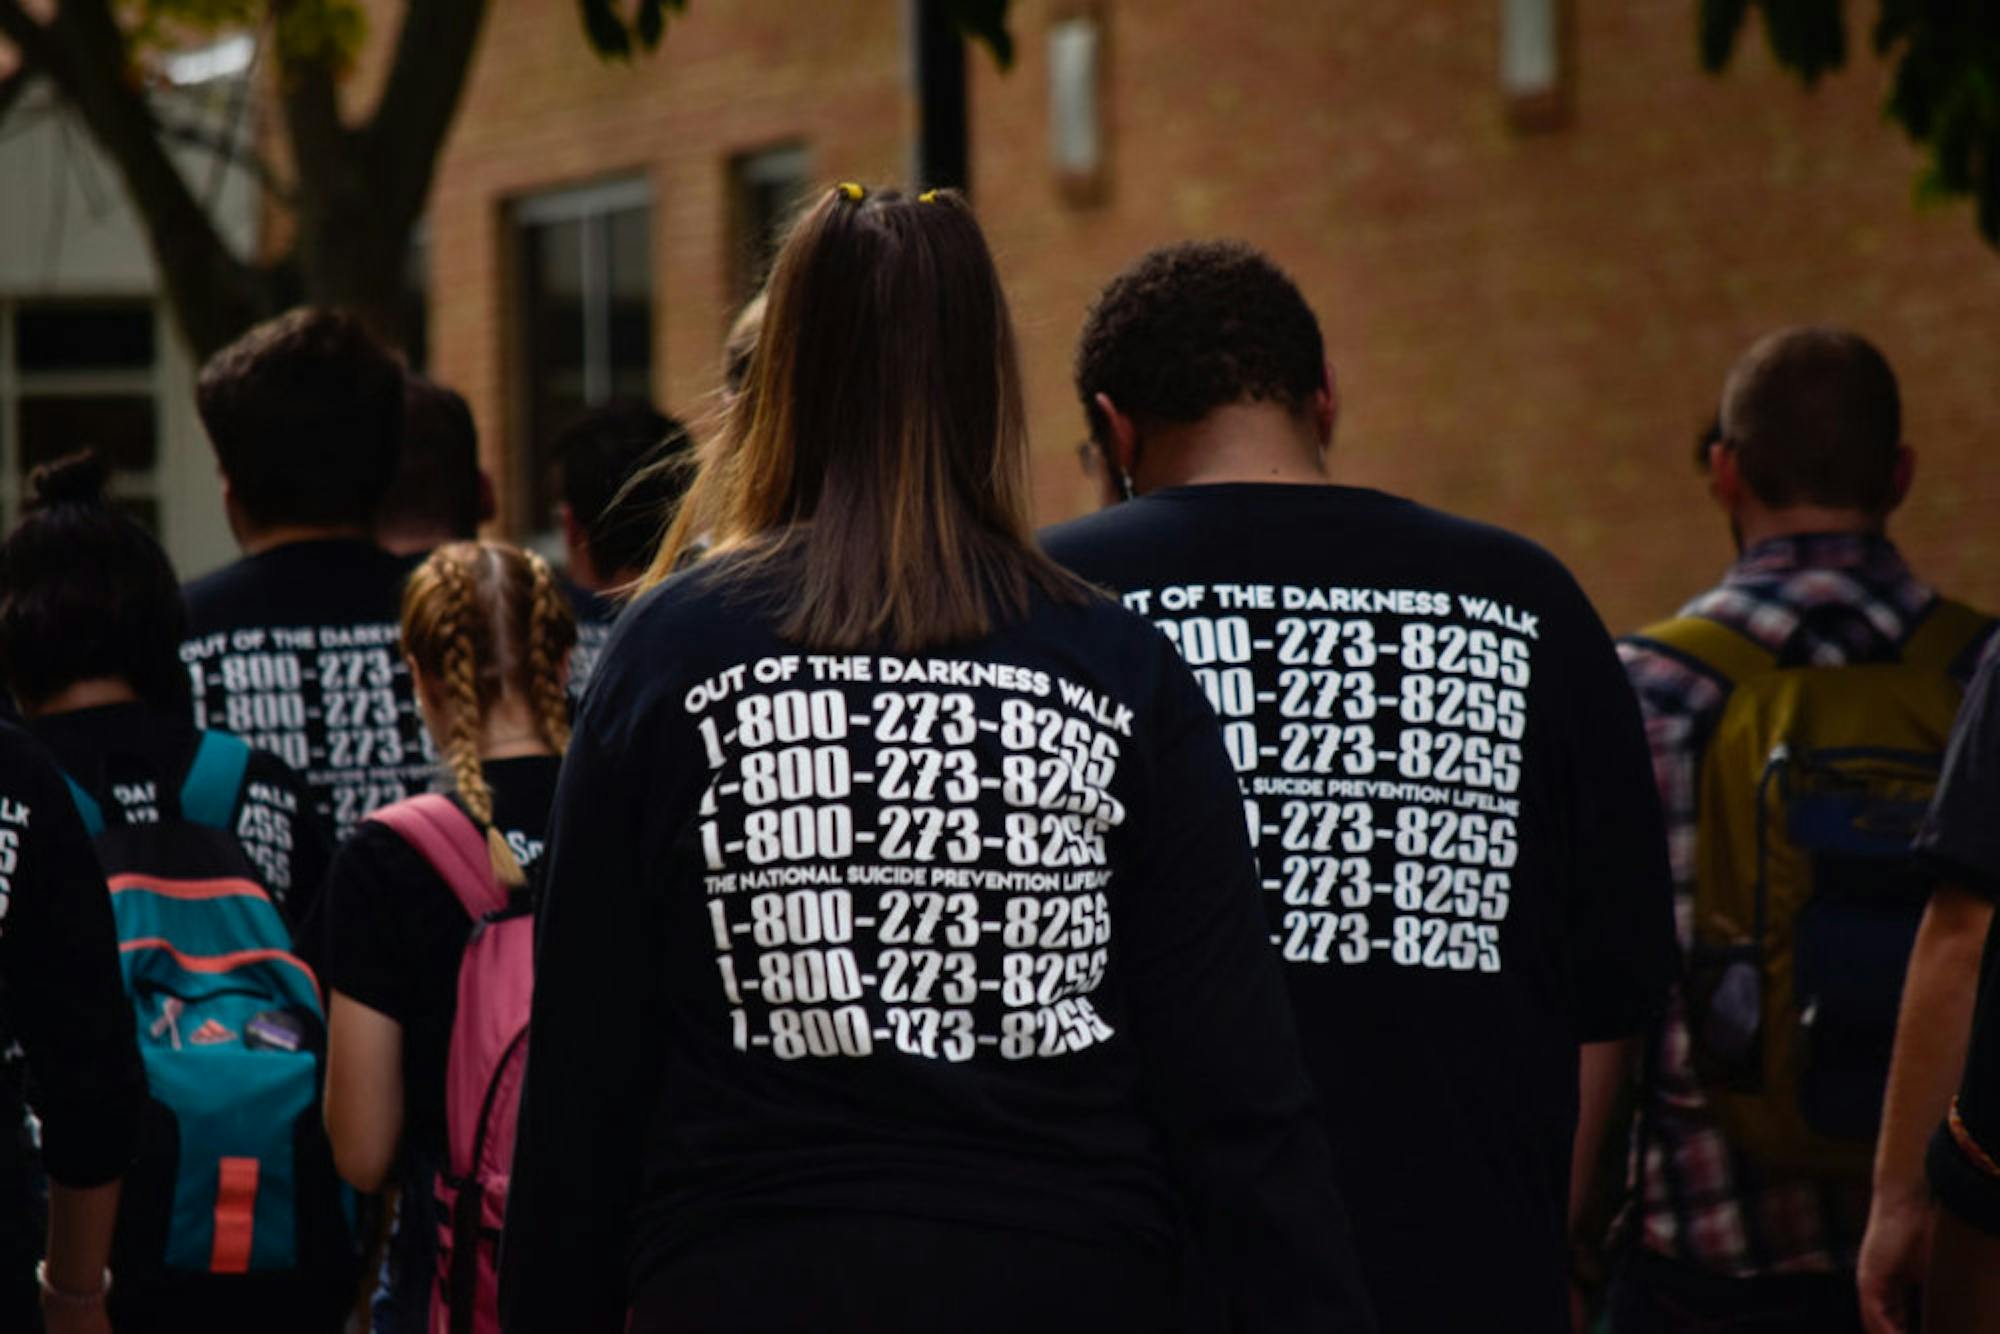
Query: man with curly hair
{"points": [[1443, 772]]}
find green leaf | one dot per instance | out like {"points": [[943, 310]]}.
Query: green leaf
{"points": [[1808, 37], [1720, 23], [652, 23], [985, 22], [614, 37], [604, 28]]}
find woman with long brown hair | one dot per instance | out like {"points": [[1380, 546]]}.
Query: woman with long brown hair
{"points": [[901, 965]]}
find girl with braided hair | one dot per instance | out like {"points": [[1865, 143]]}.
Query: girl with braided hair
{"points": [[487, 632]]}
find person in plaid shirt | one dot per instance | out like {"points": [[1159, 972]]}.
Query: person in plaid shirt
{"points": [[1808, 467]]}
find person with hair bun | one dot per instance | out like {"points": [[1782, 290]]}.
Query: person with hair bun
{"points": [[487, 633], [91, 623]]}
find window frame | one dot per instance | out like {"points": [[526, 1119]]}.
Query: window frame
{"points": [[774, 163], [150, 382], [1087, 186], [1545, 107], [592, 204]]}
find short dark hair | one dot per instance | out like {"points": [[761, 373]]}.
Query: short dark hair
{"points": [[617, 479], [306, 415], [85, 592], [1194, 327], [437, 471], [1814, 417]]}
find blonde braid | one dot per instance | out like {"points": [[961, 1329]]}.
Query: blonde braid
{"points": [[551, 635], [461, 687]]}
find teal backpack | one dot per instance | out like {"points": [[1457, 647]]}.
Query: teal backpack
{"points": [[234, 1175]]}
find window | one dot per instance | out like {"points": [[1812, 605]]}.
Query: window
{"points": [[1076, 103], [585, 320], [1535, 62], [77, 375], [765, 189]]}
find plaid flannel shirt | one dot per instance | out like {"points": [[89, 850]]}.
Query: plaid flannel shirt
{"points": [[1825, 599]]}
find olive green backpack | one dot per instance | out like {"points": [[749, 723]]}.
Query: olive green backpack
{"points": [[1806, 895]]}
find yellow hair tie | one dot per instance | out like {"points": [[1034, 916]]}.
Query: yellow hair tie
{"points": [[852, 191], [927, 197]]}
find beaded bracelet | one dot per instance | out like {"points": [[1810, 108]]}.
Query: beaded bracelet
{"points": [[56, 1296]]}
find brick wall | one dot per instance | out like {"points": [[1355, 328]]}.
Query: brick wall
{"points": [[1527, 328]]}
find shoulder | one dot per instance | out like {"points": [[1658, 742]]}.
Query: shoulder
{"points": [[1499, 550], [1084, 535], [376, 865], [590, 608], [26, 765], [267, 771], [1977, 636], [1100, 645], [694, 622], [1667, 681], [209, 597], [38, 809]]}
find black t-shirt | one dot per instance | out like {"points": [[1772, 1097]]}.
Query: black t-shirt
{"points": [[295, 650], [966, 936], [131, 753], [1961, 838], [60, 992], [595, 615], [393, 933], [1460, 848]]}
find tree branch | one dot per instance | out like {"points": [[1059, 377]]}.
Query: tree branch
{"points": [[223, 144], [14, 85], [25, 33], [214, 293], [312, 112], [426, 79]]}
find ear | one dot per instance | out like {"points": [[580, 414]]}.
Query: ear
{"points": [[1325, 406], [232, 513], [576, 547], [1122, 434], [1906, 472], [1725, 477]]}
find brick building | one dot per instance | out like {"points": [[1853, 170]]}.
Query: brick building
{"points": [[1528, 324], [1535, 232]]}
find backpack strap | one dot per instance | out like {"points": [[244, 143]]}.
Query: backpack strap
{"points": [[1948, 631], [214, 780], [453, 844], [1726, 653], [87, 808]]}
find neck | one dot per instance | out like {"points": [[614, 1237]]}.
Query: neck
{"points": [[94, 693], [283, 535], [509, 732], [1242, 442], [582, 568], [414, 541], [1757, 525]]}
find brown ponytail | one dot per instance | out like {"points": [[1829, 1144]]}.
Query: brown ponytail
{"points": [[482, 619]]}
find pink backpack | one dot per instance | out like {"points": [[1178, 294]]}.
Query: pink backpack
{"points": [[487, 1057]]}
